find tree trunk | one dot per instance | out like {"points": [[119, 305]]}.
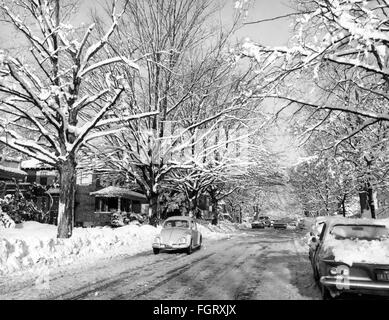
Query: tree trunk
{"points": [[67, 171], [364, 203], [344, 206], [370, 197], [153, 209], [215, 214]]}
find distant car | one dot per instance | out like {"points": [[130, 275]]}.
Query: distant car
{"points": [[301, 224], [265, 220], [257, 224], [178, 233], [333, 269], [280, 224], [292, 224]]}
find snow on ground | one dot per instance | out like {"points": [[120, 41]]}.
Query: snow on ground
{"points": [[32, 243], [222, 230]]}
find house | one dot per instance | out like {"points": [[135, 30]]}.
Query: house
{"points": [[10, 170], [93, 203], [110, 200]]}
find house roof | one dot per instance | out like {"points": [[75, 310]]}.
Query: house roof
{"points": [[35, 164], [118, 192], [9, 172]]}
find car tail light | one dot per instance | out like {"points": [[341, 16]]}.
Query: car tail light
{"points": [[333, 271]]}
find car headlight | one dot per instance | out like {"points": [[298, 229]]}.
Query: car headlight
{"points": [[182, 240], [157, 240]]}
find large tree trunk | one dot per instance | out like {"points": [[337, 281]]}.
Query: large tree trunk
{"points": [[366, 198], [370, 197], [67, 171], [153, 209]]}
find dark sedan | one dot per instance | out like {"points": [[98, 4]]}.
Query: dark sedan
{"points": [[337, 274], [280, 224], [257, 224]]}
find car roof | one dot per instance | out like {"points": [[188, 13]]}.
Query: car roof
{"points": [[354, 221], [180, 218]]}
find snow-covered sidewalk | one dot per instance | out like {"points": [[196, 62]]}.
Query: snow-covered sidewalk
{"points": [[33, 243]]}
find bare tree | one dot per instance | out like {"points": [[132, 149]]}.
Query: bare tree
{"points": [[189, 77], [50, 105]]}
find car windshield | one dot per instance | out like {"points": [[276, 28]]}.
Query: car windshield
{"points": [[361, 232], [176, 224]]}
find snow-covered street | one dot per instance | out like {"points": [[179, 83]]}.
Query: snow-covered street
{"points": [[252, 264]]}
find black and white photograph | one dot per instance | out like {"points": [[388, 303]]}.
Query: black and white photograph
{"points": [[194, 155]]}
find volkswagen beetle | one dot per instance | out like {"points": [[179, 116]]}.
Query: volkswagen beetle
{"points": [[178, 233]]}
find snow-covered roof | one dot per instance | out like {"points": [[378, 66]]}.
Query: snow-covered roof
{"points": [[35, 164], [118, 192], [9, 172]]}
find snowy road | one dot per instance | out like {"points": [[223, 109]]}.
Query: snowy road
{"points": [[257, 264]]}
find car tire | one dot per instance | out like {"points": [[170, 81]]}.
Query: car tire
{"points": [[189, 249], [155, 250]]}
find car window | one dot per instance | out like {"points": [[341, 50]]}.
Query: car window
{"points": [[176, 223], [362, 232], [323, 230]]}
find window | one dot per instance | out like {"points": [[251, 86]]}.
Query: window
{"points": [[84, 178], [43, 181]]}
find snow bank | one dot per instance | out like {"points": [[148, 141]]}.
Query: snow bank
{"points": [[33, 242], [244, 225], [222, 230]]}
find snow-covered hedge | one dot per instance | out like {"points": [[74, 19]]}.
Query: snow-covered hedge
{"points": [[5, 220]]}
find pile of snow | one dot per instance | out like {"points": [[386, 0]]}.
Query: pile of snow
{"points": [[354, 251], [224, 229], [31, 243], [244, 225]]}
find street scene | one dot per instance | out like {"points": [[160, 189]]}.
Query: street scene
{"points": [[194, 150], [254, 264]]}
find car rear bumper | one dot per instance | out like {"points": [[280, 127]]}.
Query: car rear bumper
{"points": [[353, 284]]}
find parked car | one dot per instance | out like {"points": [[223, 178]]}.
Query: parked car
{"points": [[280, 224], [257, 224], [178, 233], [292, 224], [301, 224], [355, 268], [265, 220]]}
